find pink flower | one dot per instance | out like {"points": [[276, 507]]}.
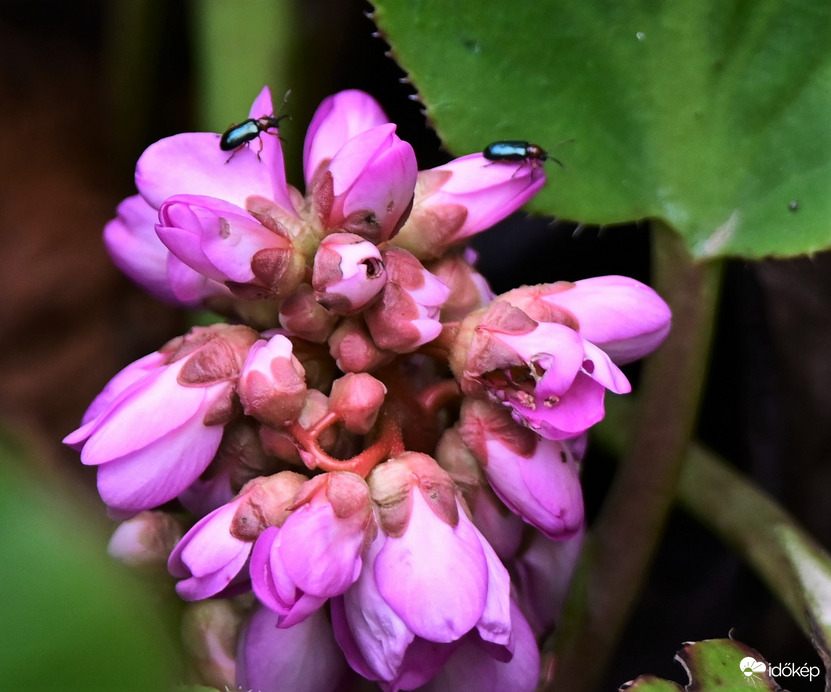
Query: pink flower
{"points": [[348, 273], [367, 186], [159, 423], [406, 315], [227, 244], [550, 378], [212, 554], [193, 164], [318, 551], [538, 479], [428, 580], [462, 198], [301, 658]]}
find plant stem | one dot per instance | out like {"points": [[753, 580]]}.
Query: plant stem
{"points": [[623, 540]]}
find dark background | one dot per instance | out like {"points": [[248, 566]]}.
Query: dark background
{"points": [[69, 321]]}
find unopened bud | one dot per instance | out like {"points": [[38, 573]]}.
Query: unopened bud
{"points": [[357, 398], [145, 539], [354, 350], [210, 630], [303, 316], [272, 384]]}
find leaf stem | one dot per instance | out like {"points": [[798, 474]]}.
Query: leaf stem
{"points": [[621, 544]]}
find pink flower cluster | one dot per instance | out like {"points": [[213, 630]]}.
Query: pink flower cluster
{"points": [[381, 451]]}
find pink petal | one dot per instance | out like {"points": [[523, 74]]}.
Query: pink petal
{"points": [[135, 249], [338, 119], [604, 371], [488, 191], [434, 558], [148, 410], [580, 407], [160, 471], [321, 553], [380, 636], [624, 317]]}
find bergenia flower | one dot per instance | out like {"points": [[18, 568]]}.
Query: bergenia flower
{"points": [[367, 186], [136, 250], [462, 198], [550, 378], [154, 433], [538, 479], [212, 554], [389, 630], [318, 551], [227, 244], [272, 382]]}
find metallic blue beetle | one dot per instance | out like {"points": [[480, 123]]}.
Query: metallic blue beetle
{"points": [[240, 134], [516, 150]]}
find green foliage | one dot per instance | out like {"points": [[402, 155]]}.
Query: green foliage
{"points": [[72, 618], [711, 115], [714, 665]]}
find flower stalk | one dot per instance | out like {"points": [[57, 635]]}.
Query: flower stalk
{"points": [[623, 541]]}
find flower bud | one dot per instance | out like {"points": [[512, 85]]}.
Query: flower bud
{"points": [[338, 119], [301, 315], [348, 273], [357, 398], [538, 479], [145, 539], [354, 350], [272, 384], [210, 630], [136, 250], [407, 313], [432, 547]]}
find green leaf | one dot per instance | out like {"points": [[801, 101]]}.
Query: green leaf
{"points": [[714, 665], [711, 115], [72, 618]]}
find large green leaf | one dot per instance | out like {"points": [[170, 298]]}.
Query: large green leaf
{"points": [[712, 115]]}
